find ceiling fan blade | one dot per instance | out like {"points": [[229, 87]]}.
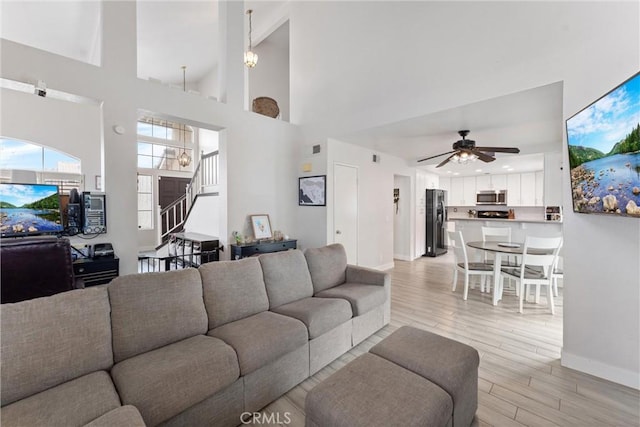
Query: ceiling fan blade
{"points": [[482, 156], [445, 161], [499, 149], [437, 155]]}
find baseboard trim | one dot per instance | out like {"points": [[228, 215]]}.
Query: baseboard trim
{"points": [[601, 370], [403, 257], [383, 267]]}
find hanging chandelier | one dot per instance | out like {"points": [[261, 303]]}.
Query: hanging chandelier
{"points": [[250, 57], [184, 159]]}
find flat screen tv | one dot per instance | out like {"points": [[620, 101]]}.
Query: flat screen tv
{"points": [[604, 153], [29, 209]]}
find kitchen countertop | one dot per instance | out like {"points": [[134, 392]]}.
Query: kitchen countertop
{"points": [[540, 221]]}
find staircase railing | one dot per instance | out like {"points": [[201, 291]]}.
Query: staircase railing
{"points": [[171, 219], [206, 174]]}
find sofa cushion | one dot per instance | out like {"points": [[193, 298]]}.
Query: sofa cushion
{"points": [[73, 403], [152, 310], [233, 290], [166, 381], [363, 298], [320, 315], [262, 338], [327, 266], [48, 341], [123, 416], [286, 277]]}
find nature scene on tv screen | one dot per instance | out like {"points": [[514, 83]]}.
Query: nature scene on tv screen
{"points": [[29, 209], [604, 153]]}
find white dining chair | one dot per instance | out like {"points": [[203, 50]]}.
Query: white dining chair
{"points": [[456, 241], [496, 234], [557, 273], [536, 269]]}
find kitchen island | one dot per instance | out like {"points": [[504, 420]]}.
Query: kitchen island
{"points": [[472, 227]]}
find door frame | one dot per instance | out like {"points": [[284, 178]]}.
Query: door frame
{"points": [[333, 232]]}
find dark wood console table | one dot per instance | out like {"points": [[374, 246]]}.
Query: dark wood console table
{"points": [[256, 248]]}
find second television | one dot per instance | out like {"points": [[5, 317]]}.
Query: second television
{"points": [[604, 153]]}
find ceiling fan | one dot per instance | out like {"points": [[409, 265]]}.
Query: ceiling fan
{"points": [[465, 150]]}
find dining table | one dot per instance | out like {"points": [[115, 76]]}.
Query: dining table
{"points": [[499, 249]]}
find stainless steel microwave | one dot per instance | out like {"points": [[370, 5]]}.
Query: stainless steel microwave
{"points": [[491, 197]]}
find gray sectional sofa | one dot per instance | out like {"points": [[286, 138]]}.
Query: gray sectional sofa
{"points": [[186, 347]]}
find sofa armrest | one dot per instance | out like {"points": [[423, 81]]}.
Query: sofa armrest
{"points": [[369, 276]]}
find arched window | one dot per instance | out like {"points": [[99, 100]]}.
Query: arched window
{"points": [[16, 154], [52, 166]]}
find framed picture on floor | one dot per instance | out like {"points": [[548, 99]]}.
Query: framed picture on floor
{"points": [[312, 190], [261, 226]]}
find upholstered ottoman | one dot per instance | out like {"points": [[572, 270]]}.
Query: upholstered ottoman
{"points": [[451, 365], [411, 378], [372, 391]]}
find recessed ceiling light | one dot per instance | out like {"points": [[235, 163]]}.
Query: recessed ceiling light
{"points": [[478, 170], [456, 173], [448, 171], [506, 167], [510, 169]]}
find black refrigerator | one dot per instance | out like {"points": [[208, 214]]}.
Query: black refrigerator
{"points": [[436, 215]]}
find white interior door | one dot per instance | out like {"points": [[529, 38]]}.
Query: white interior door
{"points": [[345, 210]]}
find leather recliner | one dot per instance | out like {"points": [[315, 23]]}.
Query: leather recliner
{"points": [[35, 267]]}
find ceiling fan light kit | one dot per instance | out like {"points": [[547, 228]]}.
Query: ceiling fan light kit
{"points": [[465, 151]]}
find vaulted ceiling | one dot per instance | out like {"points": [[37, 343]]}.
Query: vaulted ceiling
{"points": [[176, 33]]}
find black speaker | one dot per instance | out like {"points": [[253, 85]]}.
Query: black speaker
{"points": [[74, 213]]}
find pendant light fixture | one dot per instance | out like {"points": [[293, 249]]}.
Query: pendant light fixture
{"points": [[184, 159], [250, 57]]}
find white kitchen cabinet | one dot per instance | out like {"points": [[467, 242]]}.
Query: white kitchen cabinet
{"points": [[457, 192], [469, 194], [539, 188], [498, 182], [483, 183], [528, 189], [444, 183], [513, 189]]}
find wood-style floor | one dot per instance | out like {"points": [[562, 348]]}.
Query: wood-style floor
{"points": [[521, 381]]}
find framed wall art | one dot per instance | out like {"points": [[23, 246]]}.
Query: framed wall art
{"points": [[261, 226], [312, 190]]}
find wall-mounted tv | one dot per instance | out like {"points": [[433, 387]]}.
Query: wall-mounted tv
{"points": [[604, 153], [29, 209]]}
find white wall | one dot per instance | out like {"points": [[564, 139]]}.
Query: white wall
{"points": [[208, 85], [271, 76], [75, 129], [205, 216], [208, 141], [553, 178], [402, 236], [375, 201], [312, 220]]}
